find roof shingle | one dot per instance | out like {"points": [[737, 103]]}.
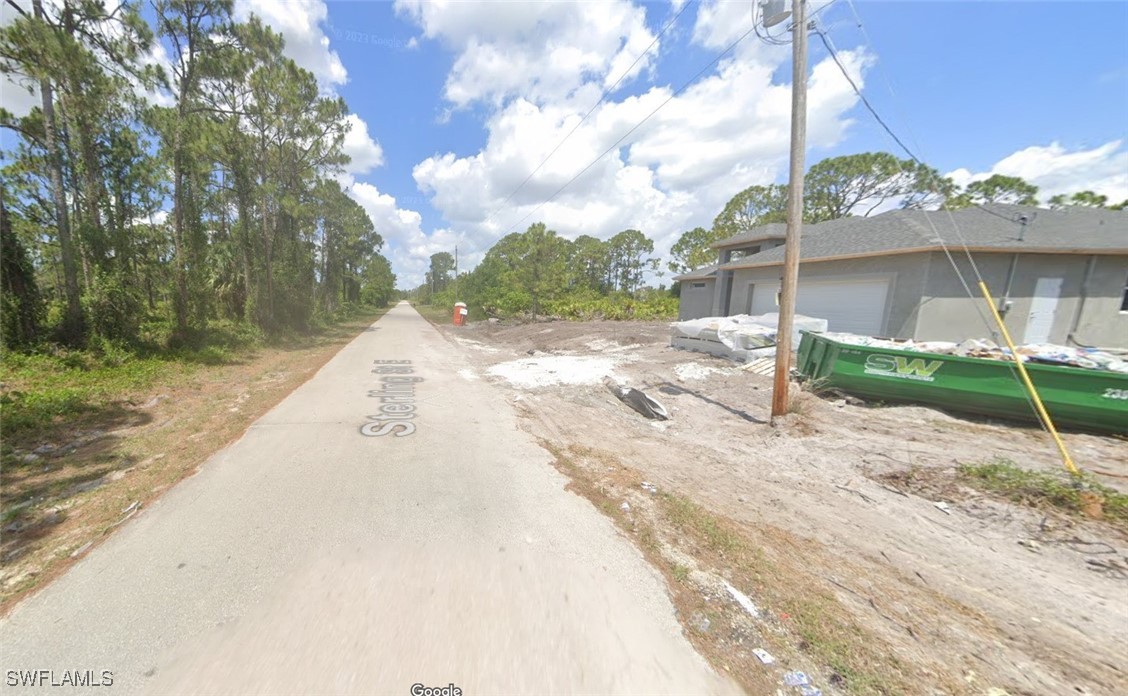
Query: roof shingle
{"points": [[996, 228]]}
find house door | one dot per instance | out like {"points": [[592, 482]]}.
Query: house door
{"points": [[1040, 322]]}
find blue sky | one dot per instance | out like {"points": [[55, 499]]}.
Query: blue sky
{"points": [[973, 83], [457, 102]]}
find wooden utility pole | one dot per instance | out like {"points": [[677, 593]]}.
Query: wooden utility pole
{"points": [[780, 389]]}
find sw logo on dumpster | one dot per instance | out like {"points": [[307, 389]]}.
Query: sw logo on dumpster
{"points": [[900, 366]]}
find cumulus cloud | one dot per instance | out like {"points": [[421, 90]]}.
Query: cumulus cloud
{"points": [[1056, 169], [407, 246], [542, 51], [726, 132], [300, 23], [365, 152], [17, 98]]}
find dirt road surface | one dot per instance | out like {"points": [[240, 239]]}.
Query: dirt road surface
{"points": [[388, 524], [942, 589]]}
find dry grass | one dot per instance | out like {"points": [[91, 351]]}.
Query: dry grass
{"points": [[802, 622]]}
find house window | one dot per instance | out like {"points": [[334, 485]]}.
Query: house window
{"points": [[697, 285], [744, 253], [1124, 298]]}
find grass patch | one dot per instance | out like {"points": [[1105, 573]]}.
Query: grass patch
{"points": [[689, 517], [43, 391], [436, 314], [1039, 488]]}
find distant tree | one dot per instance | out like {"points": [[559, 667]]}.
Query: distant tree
{"points": [[442, 269], [587, 263], [629, 259], [1087, 199], [693, 250], [540, 256], [1122, 205], [859, 184], [752, 207], [997, 188], [379, 283]]}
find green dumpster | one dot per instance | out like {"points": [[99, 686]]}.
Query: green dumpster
{"points": [[1074, 396]]}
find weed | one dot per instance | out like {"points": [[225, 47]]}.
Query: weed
{"points": [[680, 573], [1038, 488]]}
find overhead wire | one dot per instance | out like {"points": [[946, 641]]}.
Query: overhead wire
{"points": [[602, 98], [638, 125], [828, 44]]}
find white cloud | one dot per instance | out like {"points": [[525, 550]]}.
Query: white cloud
{"points": [[1054, 169], [542, 51], [407, 246], [726, 132], [720, 22], [300, 23], [365, 152], [159, 217], [15, 96]]}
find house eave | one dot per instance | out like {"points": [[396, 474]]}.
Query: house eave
{"points": [[729, 243], [749, 263]]}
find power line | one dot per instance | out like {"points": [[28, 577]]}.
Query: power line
{"points": [[845, 73], [881, 122], [603, 97], [951, 218], [638, 125]]}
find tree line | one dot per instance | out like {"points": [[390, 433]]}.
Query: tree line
{"points": [[539, 272], [241, 152], [859, 184]]}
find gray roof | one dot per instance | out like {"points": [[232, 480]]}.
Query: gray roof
{"points": [[775, 230], [995, 228], [699, 273]]}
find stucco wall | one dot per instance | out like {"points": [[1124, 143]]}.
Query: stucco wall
{"points": [[906, 274], [927, 301], [946, 314], [696, 302], [1101, 322]]}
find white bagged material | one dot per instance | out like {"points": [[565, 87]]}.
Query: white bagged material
{"points": [[743, 331]]}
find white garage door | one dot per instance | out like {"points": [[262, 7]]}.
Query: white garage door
{"points": [[762, 298], [851, 306]]}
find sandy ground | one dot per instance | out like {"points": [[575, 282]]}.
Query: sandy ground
{"points": [[994, 597]]}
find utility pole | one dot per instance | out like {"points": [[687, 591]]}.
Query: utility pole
{"points": [[781, 396], [456, 274]]}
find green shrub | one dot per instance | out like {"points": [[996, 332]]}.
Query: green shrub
{"points": [[114, 307], [617, 307]]}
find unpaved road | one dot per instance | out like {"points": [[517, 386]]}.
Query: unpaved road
{"points": [[309, 557], [976, 596]]}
